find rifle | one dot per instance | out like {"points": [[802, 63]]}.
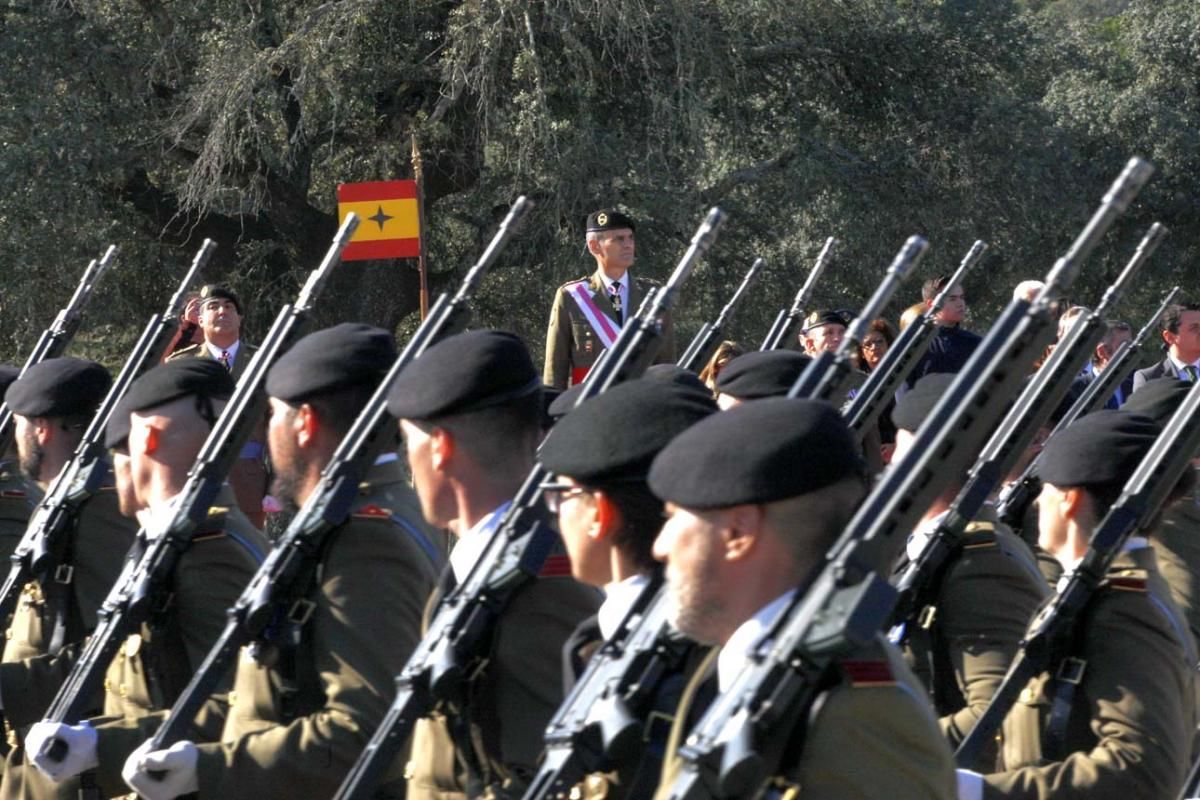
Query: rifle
{"points": [[278, 590], [459, 636], [741, 738], [85, 472], [1016, 497], [151, 561], [827, 377], [1045, 644], [1016, 431], [908, 349], [54, 340], [784, 326], [705, 341]]}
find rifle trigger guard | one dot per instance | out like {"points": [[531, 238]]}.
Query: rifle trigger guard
{"points": [[300, 611], [64, 573]]}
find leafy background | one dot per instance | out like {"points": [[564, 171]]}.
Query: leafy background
{"points": [[155, 123]]}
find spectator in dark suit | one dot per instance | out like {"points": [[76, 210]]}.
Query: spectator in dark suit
{"points": [[1181, 336], [953, 345]]}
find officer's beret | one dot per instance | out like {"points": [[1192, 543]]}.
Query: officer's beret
{"points": [[8, 374], [672, 373], [1101, 449], [761, 373], [608, 219], [565, 401], [818, 318], [347, 355], [210, 290], [1158, 399], [760, 452], [466, 372], [914, 405], [59, 387], [614, 436]]}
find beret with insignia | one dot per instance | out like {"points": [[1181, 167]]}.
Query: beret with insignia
{"points": [[915, 405], [1101, 450], [818, 318], [211, 290], [1158, 399], [59, 387], [347, 355], [466, 372], [761, 373], [608, 219], [614, 437], [761, 452]]}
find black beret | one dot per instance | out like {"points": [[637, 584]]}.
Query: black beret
{"points": [[608, 219], [1102, 449], [184, 377], [549, 395], [914, 405], [347, 355], [614, 437], [8, 374], [564, 401], [760, 452], [818, 318], [761, 373], [673, 373], [116, 432], [59, 387], [1158, 399], [466, 372], [220, 291]]}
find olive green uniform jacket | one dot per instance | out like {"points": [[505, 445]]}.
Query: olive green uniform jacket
{"points": [[34, 666], [571, 344], [1177, 544], [970, 622], [249, 475], [510, 702], [1129, 734], [300, 717], [156, 663], [871, 734]]}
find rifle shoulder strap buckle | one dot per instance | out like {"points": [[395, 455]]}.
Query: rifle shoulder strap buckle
{"points": [[64, 573], [301, 611]]}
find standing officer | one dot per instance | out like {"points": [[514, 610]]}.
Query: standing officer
{"points": [[220, 322], [169, 411], [470, 410], [755, 497], [1181, 337], [1116, 720], [52, 403], [589, 312], [302, 710]]}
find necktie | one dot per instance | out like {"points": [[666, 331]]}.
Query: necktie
{"points": [[225, 359], [614, 294], [1192, 372]]}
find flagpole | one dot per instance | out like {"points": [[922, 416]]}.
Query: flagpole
{"points": [[419, 175]]}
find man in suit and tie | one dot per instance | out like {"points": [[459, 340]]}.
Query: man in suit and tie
{"points": [[221, 314], [1181, 335], [589, 312], [1117, 334]]}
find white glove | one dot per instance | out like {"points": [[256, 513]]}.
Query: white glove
{"points": [[162, 774], [970, 785], [80, 743]]}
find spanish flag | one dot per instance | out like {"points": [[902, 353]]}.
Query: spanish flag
{"points": [[389, 226]]}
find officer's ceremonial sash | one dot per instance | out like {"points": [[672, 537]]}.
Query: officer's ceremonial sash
{"points": [[606, 330]]}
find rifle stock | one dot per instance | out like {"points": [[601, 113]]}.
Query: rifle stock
{"points": [[784, 326]]}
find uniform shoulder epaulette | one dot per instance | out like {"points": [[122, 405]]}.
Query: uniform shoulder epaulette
{"points": [[868, 672], [574, 280], [979, 535], [1128, 580], [186, 352], [207, 536], [372, 511], [558, 566], [12, 493]]}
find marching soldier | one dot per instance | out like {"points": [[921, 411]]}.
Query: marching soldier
{"points": [[1116, 720], [302, 711], [52, 404], [755, 496], [168, 413], [469, 408], [589, 312], [969, 618], [220, 320]]}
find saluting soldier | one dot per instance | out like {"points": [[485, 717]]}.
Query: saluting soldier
{"points": [[52, 403], [1116, 720], [470, 409], [16, 499], [755, 497], [168, 413], [600, 454], [969, 618], [220, 320], [589, 312], [303, 709]]}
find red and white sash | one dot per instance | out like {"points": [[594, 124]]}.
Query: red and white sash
{"points": [[606, 330]]}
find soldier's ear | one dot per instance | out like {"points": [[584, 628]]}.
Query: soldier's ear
{"points": [[741, 530], [608, 517], [441, 448], [305, 425], [143, 437]]}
